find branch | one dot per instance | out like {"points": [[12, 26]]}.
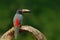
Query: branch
{"points": [[10, 33]]}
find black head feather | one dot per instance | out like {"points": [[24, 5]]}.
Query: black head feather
{"points": [[19, 12]]}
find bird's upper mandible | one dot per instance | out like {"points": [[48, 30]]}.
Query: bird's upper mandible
{"points": [[24, 11]]}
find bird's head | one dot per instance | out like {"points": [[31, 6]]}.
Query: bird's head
{"points": [[23, 11]]}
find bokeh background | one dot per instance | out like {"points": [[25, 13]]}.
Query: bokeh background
{"points": [[44, 16]]}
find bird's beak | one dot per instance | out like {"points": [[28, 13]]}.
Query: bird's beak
{"points": [[25, 11]]}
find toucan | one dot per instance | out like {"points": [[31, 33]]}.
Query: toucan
{"points": [[17, 20]]}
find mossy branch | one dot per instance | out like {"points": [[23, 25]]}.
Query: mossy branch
{"points": [[10, 33]]}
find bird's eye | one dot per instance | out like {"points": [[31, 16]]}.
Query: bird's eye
{"points": [[19, 12]]}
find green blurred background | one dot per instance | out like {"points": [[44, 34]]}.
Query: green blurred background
{"points": [[44, 16]]}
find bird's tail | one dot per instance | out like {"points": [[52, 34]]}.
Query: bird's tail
{"points": [[16, 32]]}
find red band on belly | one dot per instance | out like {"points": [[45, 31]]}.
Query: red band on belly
{"points": [[16, 22]]}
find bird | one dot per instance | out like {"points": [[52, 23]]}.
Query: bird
{"points": [[17, 20]]}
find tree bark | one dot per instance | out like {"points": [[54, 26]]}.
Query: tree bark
{"points": [[10, 33]]}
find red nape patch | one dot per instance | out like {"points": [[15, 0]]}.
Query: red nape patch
{"points": [[16, 22]]}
